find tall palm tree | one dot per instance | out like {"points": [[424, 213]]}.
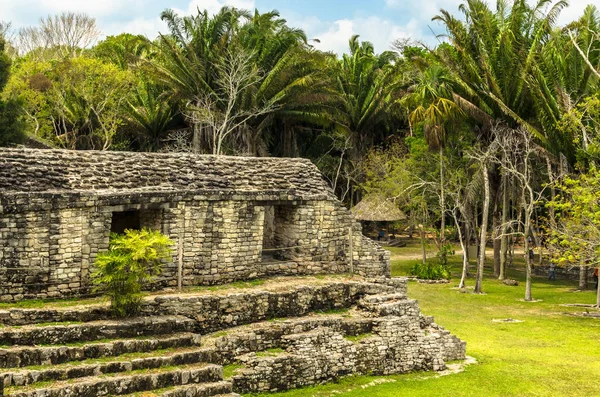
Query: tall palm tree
{"points": [[494, 54], [188, 55], [561, 79], [152, 113], [368, 88], [431, 102]]}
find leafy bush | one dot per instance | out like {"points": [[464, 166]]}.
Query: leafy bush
{"points": [[445, 251], [430, 271], [132, 261]]}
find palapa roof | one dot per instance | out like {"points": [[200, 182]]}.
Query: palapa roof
{"points": [[376, 208], [97, 172]]}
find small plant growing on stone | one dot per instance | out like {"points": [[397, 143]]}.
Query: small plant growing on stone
{"points": [[132, 262]]}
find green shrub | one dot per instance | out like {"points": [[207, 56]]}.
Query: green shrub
{"points": [[430, 271], [132, 261], [445, 251]]}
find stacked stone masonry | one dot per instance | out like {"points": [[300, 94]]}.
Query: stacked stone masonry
{"points": [[58, 207], [381, 332]]}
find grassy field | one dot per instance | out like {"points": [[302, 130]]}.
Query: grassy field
{"points": [[549, 353]]}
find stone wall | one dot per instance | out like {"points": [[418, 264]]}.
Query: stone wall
{"points": [[50, 242], [324, 350], [213, 312], [567, 272]]}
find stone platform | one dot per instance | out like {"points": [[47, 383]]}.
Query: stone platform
{"points": [[282, 334]]}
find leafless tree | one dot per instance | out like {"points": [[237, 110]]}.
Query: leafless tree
{"points": [[461, 190], [220, 113], [485, 158], [179, 141], [63, 35], [4, 28], [516, 152]]}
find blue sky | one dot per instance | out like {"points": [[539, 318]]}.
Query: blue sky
{"points": [[330, 21]]}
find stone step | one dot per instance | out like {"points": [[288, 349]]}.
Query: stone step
{"points": [[389, 305], [222, 389], [17, 357], [152, 360], [95, 330], [215, 389], [132, 382]]}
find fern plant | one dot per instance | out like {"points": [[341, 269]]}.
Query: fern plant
{"points": [[132, 261]]}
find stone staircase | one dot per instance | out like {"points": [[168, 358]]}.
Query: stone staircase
{"points": [[292, 335], [159, 354]]}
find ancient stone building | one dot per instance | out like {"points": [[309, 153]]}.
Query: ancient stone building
{"points": [[232, 218]]}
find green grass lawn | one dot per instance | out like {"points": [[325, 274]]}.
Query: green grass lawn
{"points": [[548, 354]]}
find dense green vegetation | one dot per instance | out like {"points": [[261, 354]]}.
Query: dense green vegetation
{"points": [[549, 353]]}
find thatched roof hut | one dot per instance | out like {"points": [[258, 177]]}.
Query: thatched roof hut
{"points": [[377, 208]]}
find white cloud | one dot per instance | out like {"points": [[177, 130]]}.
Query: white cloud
{"points": [[149, 27], [575, 10], [213, 6], [381, 32], [23, 11], [94, 8]]}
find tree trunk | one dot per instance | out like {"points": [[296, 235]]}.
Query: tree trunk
{"points": [[504, 229], [598, 294], [495, 186], [423, 245], [484, 224], [442, 201], [476, 230], [528, 297], [497, 239], [552, 191], [290, 147], [465, 249], [582, 276], [467, 244]]}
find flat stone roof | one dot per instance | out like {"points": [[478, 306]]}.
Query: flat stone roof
{"points": [[103, 172]]}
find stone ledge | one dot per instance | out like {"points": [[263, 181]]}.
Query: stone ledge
{"points": [[129, 384], [60, 334], [17, 357], [229, 309]]}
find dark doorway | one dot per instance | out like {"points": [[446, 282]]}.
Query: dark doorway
{"points": [[278, 232], [125, 220]]}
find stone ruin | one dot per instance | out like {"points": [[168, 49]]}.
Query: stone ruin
{"points": [[324, 306], [285, 334], [232, 218]]}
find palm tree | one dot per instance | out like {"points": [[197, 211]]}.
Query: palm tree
{"points": [[368, 89], [152, 113], [188, 56], [431, 102], [493, 56], [298, 85]]}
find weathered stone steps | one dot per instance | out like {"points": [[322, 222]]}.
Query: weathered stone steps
{"points": [[124, 384], [215, 389], [17, 357], [96, 330], [201, 390], [26, 376], [19, 317]]}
